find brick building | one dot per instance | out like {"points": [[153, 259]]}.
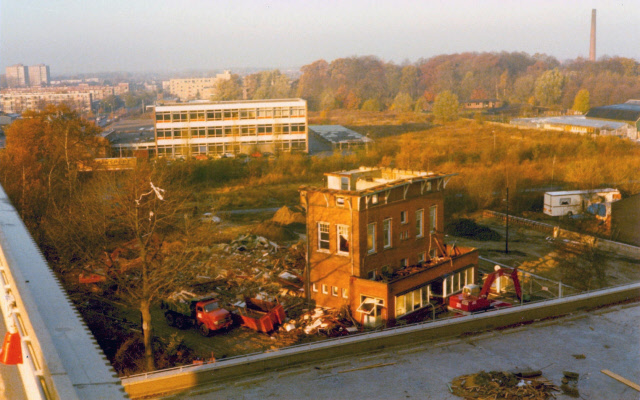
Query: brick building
{"points": [[375, 244]]}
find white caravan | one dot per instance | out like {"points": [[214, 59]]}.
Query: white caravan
{"points": [[576, 201]]}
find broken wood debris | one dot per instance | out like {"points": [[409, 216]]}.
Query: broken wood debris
{"points": [[621, 379], [325, 321], [503, 385]]}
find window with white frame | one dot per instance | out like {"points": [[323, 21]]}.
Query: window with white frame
{"points": [[325, 289], [422, 257], [371, 275], [371, 237], [419, 223], [314, 287], [412, 300], [323, 236], [345, 294], [403, 217], [386, 232], [404, 263], [344, 183], [374, 199], [334, 291], [343, 239], [456, 281], [433, 218]]}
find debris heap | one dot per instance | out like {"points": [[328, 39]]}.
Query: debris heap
{"points": [[502, 385], [325, 321]]}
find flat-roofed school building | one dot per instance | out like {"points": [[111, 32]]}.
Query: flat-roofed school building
{"points": [[231, 127]]}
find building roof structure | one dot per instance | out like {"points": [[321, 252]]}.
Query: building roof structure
{"points": [[628, 112], [338, 134], [573, 120], [573, 192]]}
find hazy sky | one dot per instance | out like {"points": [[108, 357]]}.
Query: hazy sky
{"points": [[154, 35]]}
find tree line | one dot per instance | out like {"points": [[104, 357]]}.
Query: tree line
{"points": [[371, 84]]}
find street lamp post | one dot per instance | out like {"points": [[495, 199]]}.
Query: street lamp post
{"points": [[506, 243]]}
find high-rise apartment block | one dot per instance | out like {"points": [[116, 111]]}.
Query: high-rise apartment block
{"points": [[17, 76], [39, 75], [231, 127]]}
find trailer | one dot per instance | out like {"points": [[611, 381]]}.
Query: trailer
{"points": [[576, 201], [260, 315]]}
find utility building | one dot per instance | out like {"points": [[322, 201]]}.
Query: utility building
{"points": [[375, 244], [230, 127]]}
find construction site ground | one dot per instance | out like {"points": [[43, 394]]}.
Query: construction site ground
{"points": [[533, 251], [528, 249], [584, 343], [228, 343]]}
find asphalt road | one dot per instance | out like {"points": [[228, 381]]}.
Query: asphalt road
{"points": [[608, 339]]}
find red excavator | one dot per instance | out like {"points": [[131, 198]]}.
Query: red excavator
{"points": [[472, 299]]}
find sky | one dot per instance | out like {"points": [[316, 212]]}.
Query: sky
{"points": [[85, 36]]}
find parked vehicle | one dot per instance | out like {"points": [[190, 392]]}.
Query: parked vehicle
{"points": [[204, 312], [472, 299], [261, 315]]}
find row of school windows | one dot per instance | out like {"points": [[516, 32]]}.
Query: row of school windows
{"points": [[224, 148], [230, 114], [222, 131], [419, 298], [335, 290]]}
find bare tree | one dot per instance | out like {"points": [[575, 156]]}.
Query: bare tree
{"points": [[135, 226]]}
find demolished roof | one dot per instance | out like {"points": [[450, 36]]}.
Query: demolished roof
{"points": [[339, 134]]}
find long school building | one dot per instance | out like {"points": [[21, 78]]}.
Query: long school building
{"points": [[231, 127]]}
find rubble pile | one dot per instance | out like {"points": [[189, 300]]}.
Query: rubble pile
{"points": [[328, 322], [502, 385], [253, 266]]}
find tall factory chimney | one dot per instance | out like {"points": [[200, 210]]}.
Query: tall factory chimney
{"points": [[592, 47]]}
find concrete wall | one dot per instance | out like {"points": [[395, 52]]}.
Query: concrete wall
{"points": [[189, 377]]}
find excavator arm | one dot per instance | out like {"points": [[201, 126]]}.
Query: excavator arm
{"points": [[492, 277]]}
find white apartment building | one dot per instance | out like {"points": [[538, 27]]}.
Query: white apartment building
{"points": [[195, 88], [20, 101], [17, 75], [231, 127], [79, 97], [39, 75]]}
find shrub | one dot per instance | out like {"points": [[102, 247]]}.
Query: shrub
{"points": [[471, 229]]}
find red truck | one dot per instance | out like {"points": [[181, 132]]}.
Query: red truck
{"points": [[261, 315], [203, 312]]}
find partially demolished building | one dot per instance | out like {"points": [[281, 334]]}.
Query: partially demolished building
{"points": [[375, 244]]}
